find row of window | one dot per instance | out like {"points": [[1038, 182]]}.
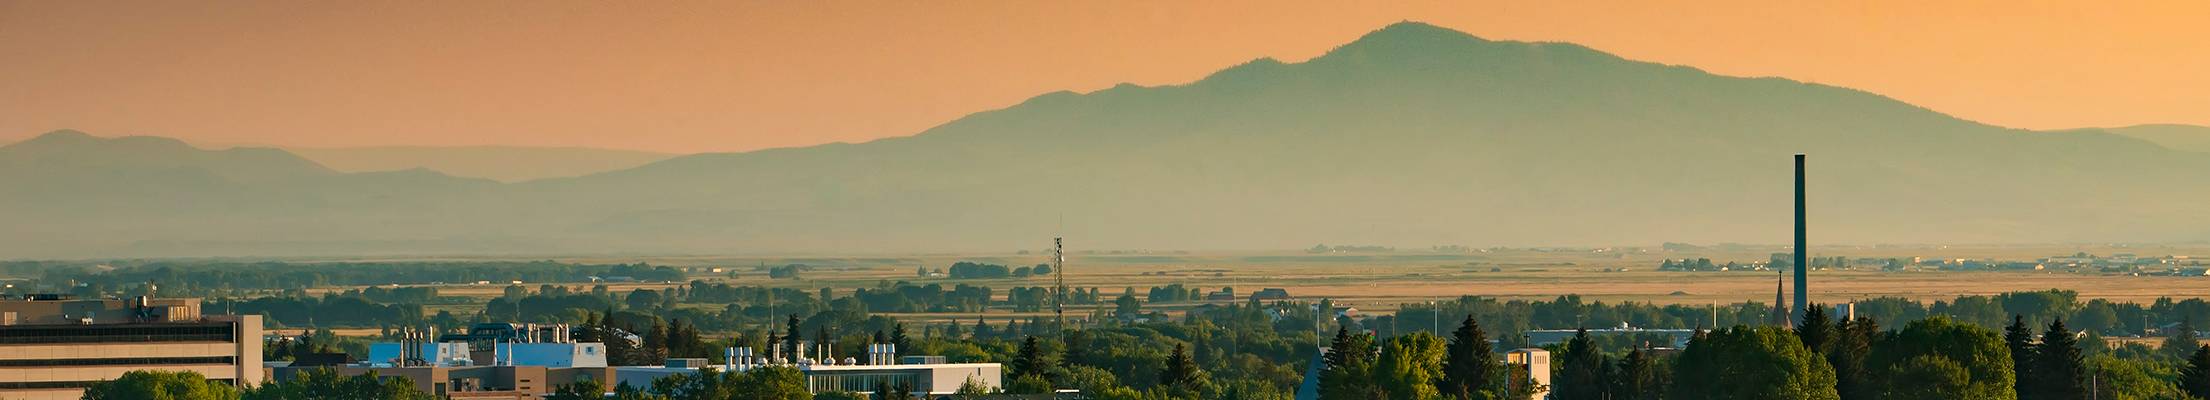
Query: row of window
{"points": [[64, 384], [863, 382], [115, 333], [118, 361]]}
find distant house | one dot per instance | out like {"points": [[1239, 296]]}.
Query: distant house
{"points": [[1225, 294], [1270, 294]]}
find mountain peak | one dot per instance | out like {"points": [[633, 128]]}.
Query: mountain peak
{"points": [[58, 137], [1413, 33]]}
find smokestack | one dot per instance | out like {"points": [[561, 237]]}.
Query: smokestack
{"points": [[1803, 266]]}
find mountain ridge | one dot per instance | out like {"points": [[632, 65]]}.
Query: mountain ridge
{"points": [[1410, 135], [500, 163]]}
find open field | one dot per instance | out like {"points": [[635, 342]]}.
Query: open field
{"points": [[1378, 281]]}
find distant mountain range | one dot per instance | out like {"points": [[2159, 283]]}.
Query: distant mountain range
{"points": [[501, 163], [1412, 135], [2176, 137]]}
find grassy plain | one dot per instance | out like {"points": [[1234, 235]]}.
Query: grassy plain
{"points": [[1378, 281]]}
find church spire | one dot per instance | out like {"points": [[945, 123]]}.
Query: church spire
{"points": [[1781, 316]]}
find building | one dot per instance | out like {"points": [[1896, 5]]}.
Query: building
{"points": [[1270, 294], [531, 370], [52, 347], [482, 382], [1527, 365], [1670, 337], [924, 374]]}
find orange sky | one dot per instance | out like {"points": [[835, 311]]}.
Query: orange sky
{"points": [[725, 76]]}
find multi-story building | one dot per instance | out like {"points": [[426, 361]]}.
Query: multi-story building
{"points": [[52, 347], [1529, 366]]}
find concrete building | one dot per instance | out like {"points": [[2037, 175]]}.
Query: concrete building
{"points": [[441, 369], [517, 382], [932, 379], [52, 347], [1530, 364]]}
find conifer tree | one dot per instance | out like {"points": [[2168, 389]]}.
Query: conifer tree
{"points": [[2195, 378], [1077, 349], [1815, 330], [791, 337], [899, 340], [1181, 370], [656, 343], [2182, 338], [1030, 360], [2059, 372], [2020, 339], [1638, 378], [1846, 353], [1469, 365], [1582, 371], [1349, 373]]}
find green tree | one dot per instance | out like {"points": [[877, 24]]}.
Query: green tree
{"points": [[2182, 341], [1077, 349], [772, 383], [1928, 377], [1638, 378], [1847, 353], [1028, 384], [656, 343], [160, 385], [791, 337], [579, 390], [898, 339], [1583, 372], [1031, 360], [1751, 363], [325, 383], [2195, 378], [972, 388], [2059, 373], [1470, 367], [1349, 369], [887, 391], [2136, 379], [1181, 371], [2020, 339], [1917, 361], [1815, 330], [1408, 367], [1127, 306]]}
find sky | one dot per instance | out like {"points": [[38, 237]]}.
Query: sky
{"points": [[690, 77]]}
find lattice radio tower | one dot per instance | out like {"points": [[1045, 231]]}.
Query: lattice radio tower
{"points": [[1059, 278]]}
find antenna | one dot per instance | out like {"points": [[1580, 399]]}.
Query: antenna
{"points": [[1059, 286]]}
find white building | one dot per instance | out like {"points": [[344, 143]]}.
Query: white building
{"points": [[1530, 364]]}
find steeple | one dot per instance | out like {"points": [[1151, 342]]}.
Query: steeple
{"points": [[1781, 316]]}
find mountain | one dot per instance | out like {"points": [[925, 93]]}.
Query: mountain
{"points": [[501, 163], [2173, 136], [1412, 135], [74, 194]]}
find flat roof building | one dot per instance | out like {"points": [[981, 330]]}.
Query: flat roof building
{"points": [[52, 347], [1529, 365]]}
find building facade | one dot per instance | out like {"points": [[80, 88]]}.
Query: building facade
{"points": [[53, 347]]}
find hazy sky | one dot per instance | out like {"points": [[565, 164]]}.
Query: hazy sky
{"points": [[726, 76]]}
